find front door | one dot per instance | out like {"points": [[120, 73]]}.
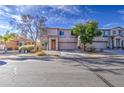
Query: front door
{"points": [[118, 43], [53, 44]]}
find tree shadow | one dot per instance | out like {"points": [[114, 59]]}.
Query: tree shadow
{"points": [[23, 58], [2, 63], [95, 64]]}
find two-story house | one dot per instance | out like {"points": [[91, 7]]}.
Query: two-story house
{"points": [[114, 37], [63, 39], [59, 39]]}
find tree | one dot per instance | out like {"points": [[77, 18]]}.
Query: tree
{"points": [[86, 32], [32, 27], [7, 37]]}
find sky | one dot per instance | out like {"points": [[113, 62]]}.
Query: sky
{"points": [[64, 16]]}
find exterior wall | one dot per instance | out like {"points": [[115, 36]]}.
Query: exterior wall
{"points": [[52, 32], [101, 39], [67, 41], [14, 44]]}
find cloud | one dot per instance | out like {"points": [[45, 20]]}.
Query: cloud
{"points": [[60, 15], [121, 11], [6, 27], [89, 10], [5, 8], [68, 9], [109, 25]]}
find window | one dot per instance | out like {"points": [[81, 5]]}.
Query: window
{"points": [[120, 32], [114, 32], [106, 33], [61, 33]]}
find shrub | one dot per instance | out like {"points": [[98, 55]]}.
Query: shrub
{"points": [[91, 49], [108, 47], [27, 47], [30, 47], [40, 53], [9, 49], [16, 48]]}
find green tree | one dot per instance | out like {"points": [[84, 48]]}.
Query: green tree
{"points": [[86, 32], [7, 37]]}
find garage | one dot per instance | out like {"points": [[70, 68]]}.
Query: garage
{"points": [[99, 45], [67, 45]]}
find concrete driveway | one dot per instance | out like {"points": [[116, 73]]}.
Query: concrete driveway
{"points": [[96, 70]]}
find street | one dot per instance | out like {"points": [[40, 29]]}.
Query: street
{"points": [[66, 70]]}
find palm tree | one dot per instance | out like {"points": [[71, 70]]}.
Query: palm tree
{"points": [[7, 37]]}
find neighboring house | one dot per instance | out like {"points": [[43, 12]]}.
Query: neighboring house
{"points": [[62, 39], [18, 41], [111, 38]]}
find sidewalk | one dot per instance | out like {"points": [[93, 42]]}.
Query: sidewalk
{"points": [[82, 54], [52, 53]]}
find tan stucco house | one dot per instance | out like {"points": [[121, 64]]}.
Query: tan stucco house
{"points": [[59, 39], [18, 41], [63, 39]]}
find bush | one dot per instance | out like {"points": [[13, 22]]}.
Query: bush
{"points": [[9, 49], [108, 47], [16, 48], [91, 49], [40, 53], [27, 47]]}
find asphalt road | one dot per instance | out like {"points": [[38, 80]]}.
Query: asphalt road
{"points": [[68, 70]]}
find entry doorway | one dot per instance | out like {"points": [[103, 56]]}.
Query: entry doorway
{"points": [[53, 44], [118, 42]]}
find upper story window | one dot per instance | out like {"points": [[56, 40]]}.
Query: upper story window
{"points": [[114, 32], [61, 33], [120, 32], [106, 33]]}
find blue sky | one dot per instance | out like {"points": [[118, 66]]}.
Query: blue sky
{"points": [[64, 16]]}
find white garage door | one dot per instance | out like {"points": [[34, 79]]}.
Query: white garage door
{"points": [[99, 45], [67, 46]]}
